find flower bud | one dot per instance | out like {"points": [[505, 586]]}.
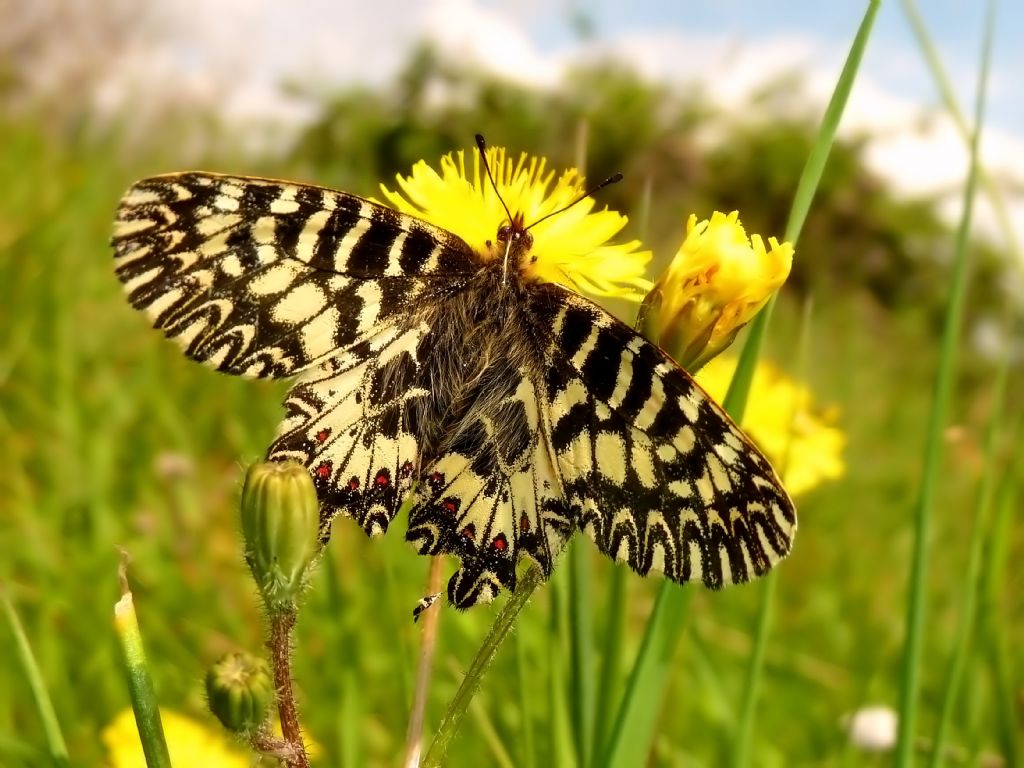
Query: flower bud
{"points": [[718, 280], [280, 524], [240, 690]]}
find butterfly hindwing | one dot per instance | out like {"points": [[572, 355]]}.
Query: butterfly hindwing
{"points": [[350, 422], [266, 278], [659, 475], [493, 496]]}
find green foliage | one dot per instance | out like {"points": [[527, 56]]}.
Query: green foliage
{"points": [[111, 438]]}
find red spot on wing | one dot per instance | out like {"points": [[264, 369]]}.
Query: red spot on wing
{"points": [[451, 506], [383, 479], [500, 543], [322, 435], [324, 470], [353, 483], [524, 523], [469, 532]]}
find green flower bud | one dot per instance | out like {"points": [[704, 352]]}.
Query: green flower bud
{"points": [[281, 526], [240, 690]]}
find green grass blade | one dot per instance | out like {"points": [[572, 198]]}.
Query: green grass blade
{"points": [[972, 580], [745, 732], [933, 442], [580, 636], [736, 399], [992, 611], [815, 165], [527, 755], [500, 757], [561, 740], [459, 705], [949, 100], [561, 745], [54, 738], [140, 684], [611, 655], [641, 704]]}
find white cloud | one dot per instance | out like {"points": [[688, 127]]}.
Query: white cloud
{"points": [[486, 38]]}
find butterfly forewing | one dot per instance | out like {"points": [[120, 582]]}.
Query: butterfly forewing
{"points": [[266, 278], [658, 474]]}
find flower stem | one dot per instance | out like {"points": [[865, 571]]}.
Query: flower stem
{"points": [[428, 641], [459, 705], [280, 644]]}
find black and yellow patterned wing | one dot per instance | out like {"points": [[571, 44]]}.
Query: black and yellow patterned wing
{"points": [[265, 278], [656, 473], [493, 495], [350, 421]]}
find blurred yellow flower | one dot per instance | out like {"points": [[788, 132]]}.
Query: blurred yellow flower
{"points": [[571, 248], [189, 742], [797, 438], [718, 280]]}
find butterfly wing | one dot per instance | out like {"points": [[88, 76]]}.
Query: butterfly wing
{"points": [[658, 474], [266, 278], [493, 494], [350, 420]]}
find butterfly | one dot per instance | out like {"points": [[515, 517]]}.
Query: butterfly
{"points": [[509, 412]]}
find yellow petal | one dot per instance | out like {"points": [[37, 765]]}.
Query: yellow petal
{"points": [[571, 248]]}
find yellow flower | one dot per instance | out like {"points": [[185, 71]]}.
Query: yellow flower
{"points": [[718, 280], [188, 741], [570, 248], [797, 438]]}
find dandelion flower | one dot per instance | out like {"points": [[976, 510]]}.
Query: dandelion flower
{"points": [[189, 742], [571, 248]]}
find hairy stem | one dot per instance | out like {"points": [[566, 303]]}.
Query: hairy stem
{"points": [[280, 645]]}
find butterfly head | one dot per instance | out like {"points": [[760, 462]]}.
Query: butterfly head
{"points": [[514, 240]]}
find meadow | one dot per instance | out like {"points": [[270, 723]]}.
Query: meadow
{"points": [[112, 442]]}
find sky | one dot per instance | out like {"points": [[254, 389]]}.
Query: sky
{"points": [[236, 53]]}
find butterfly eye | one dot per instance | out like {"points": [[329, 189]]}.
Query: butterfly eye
{"points": [[504, 233]]}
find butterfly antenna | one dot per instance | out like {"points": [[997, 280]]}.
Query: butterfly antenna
{"points": [[481, 144], [613, 179]]}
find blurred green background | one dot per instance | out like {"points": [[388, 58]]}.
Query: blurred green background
{"points": [[111, 440]]}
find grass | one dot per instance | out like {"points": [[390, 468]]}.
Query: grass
{"points": [[109, 438], [943, 394]]}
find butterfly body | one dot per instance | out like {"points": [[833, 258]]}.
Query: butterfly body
{"points": [[513, 411]]}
